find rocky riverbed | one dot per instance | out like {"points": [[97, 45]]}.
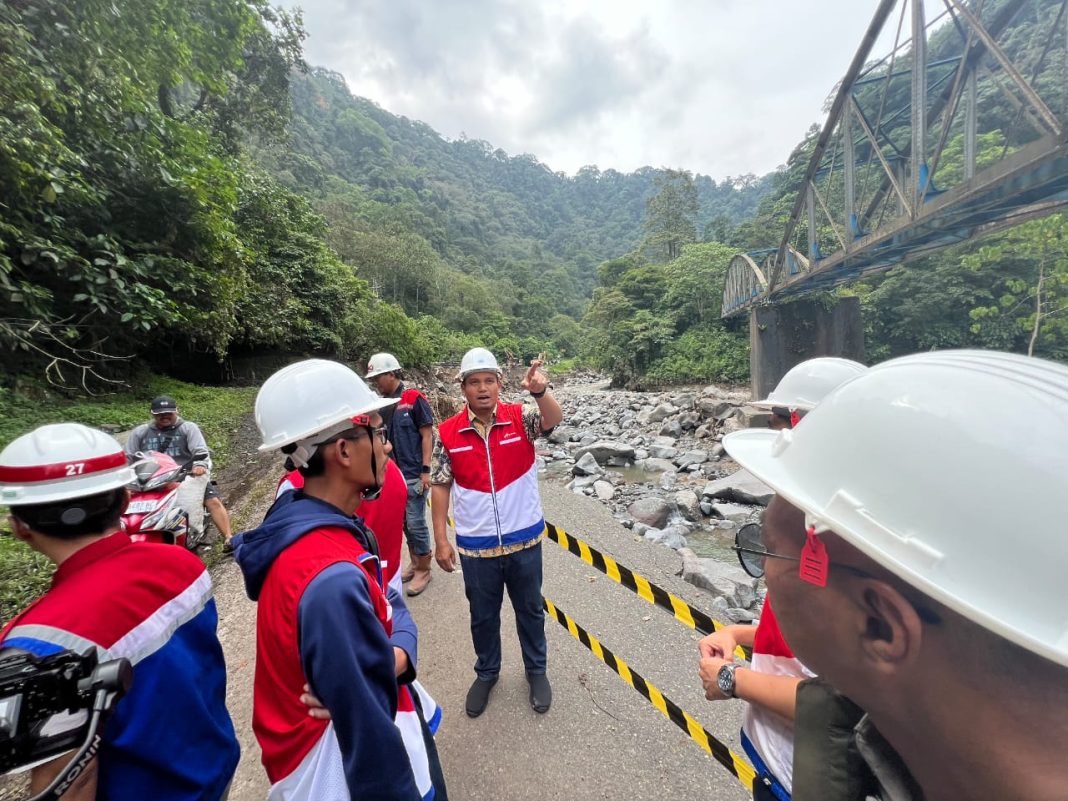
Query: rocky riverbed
{"points": [[656, 460]]}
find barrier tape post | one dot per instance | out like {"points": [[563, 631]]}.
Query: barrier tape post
{"points": [[736, 765], [638, 584]]}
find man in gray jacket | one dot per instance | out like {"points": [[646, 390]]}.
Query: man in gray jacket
{"points": [[184, 442]]}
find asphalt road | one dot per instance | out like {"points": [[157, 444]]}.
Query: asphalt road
{"points": [[600, 740]]}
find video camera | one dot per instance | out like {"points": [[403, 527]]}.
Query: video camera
{"points": [[35, 690]]}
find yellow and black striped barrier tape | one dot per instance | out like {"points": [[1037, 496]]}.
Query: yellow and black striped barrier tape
{"points": [[738, 767], [636, 583]]}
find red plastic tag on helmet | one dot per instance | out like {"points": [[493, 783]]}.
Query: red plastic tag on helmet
{"points": [[795, 418], [814, 562], [361, 420]]}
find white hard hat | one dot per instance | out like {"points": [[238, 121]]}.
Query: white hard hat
{"points": [[382, 363], [59, 462], [477, 360], [911, 463], [805, 384], [313, 399]]}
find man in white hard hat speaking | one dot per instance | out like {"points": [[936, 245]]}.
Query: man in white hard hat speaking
{"points": [[170, 737], [902, 580], [484, 464]]}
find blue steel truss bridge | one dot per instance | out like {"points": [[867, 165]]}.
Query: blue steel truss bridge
{"points": [[957, 132]]}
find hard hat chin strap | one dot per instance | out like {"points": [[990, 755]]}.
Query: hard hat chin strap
{"points": [[372, 493]]}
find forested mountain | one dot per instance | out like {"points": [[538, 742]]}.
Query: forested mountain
{"points": [[389, 187], [175, 183]]}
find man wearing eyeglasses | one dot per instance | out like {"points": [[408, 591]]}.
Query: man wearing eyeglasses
{"points": [[898, 581], [326, 619], [769, 684]]}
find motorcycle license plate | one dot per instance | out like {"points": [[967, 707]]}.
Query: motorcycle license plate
{"points": [[140, 507]]}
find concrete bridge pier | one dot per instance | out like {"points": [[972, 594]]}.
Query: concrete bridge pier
{"points": [[783, 335]]}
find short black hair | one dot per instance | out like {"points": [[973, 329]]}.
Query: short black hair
{"points": [[74, 517]]}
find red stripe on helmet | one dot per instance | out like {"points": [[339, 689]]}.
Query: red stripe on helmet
{"points": [[29, 474]]}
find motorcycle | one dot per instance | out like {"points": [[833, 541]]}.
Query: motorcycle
{"points": [[153, 514]]}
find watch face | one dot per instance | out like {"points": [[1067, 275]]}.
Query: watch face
{"points": [[725, 680]]}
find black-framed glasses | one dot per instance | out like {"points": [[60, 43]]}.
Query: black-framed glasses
{"points": [[353, 434], [749, 545], [752, 553]]}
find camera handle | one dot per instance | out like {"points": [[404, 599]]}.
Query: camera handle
{"points": [[109, 682]]}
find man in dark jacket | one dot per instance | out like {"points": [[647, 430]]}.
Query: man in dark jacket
{"points": [[326, 618]]}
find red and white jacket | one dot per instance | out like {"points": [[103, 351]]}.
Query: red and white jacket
{"points": [[771, 734], [495, 496]]}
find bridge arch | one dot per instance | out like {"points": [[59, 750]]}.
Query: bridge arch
{"points": [[747, 277]]}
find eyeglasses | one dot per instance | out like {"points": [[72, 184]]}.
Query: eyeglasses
{"points": [[353, 434], [749, 545]]}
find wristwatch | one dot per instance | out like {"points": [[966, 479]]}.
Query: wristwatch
{"points": [[725, 680], [424, 469]]}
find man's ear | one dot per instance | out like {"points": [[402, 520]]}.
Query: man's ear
{"points": [[20, 530], [891, 631], [125, 499]]}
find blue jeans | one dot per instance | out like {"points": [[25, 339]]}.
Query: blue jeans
{"points": [[415, 529], [484, 582]]}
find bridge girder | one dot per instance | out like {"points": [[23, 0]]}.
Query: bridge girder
{"points": [[900, 141]]}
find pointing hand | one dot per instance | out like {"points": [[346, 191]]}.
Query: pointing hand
{"points": [[535, 381]]}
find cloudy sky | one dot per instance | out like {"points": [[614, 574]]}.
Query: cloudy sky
{"points": [[721, 87]]}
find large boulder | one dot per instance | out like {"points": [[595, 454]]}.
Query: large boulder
{"points": [[729, 582], [671, 428], [603, 449], [561, 434], [740, 487], [688, 503], [587, 466], [673, 537], [661, 412], [733, 511], [691, 458], [651, 511], [663, 452], [654, 465], [604, 490], [689, 420], [714, 407]]}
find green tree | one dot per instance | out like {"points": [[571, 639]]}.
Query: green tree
{"points": [[671, 214], [1033, 299]]}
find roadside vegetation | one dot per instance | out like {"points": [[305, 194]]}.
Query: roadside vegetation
{"points": [[219, 411]]}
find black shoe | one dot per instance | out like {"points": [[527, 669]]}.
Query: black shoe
{"points": [[478, 696], [541, 694]]}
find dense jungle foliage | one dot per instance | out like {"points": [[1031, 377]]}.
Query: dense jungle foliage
{"points": [[177, 187]]}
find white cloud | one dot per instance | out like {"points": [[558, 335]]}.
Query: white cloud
{"points": [[720, 87]]}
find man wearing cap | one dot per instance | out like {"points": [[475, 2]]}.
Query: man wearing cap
{"points": [[170, 738], [898, 581], [484, 464], [411, 433], [183, 441]]}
